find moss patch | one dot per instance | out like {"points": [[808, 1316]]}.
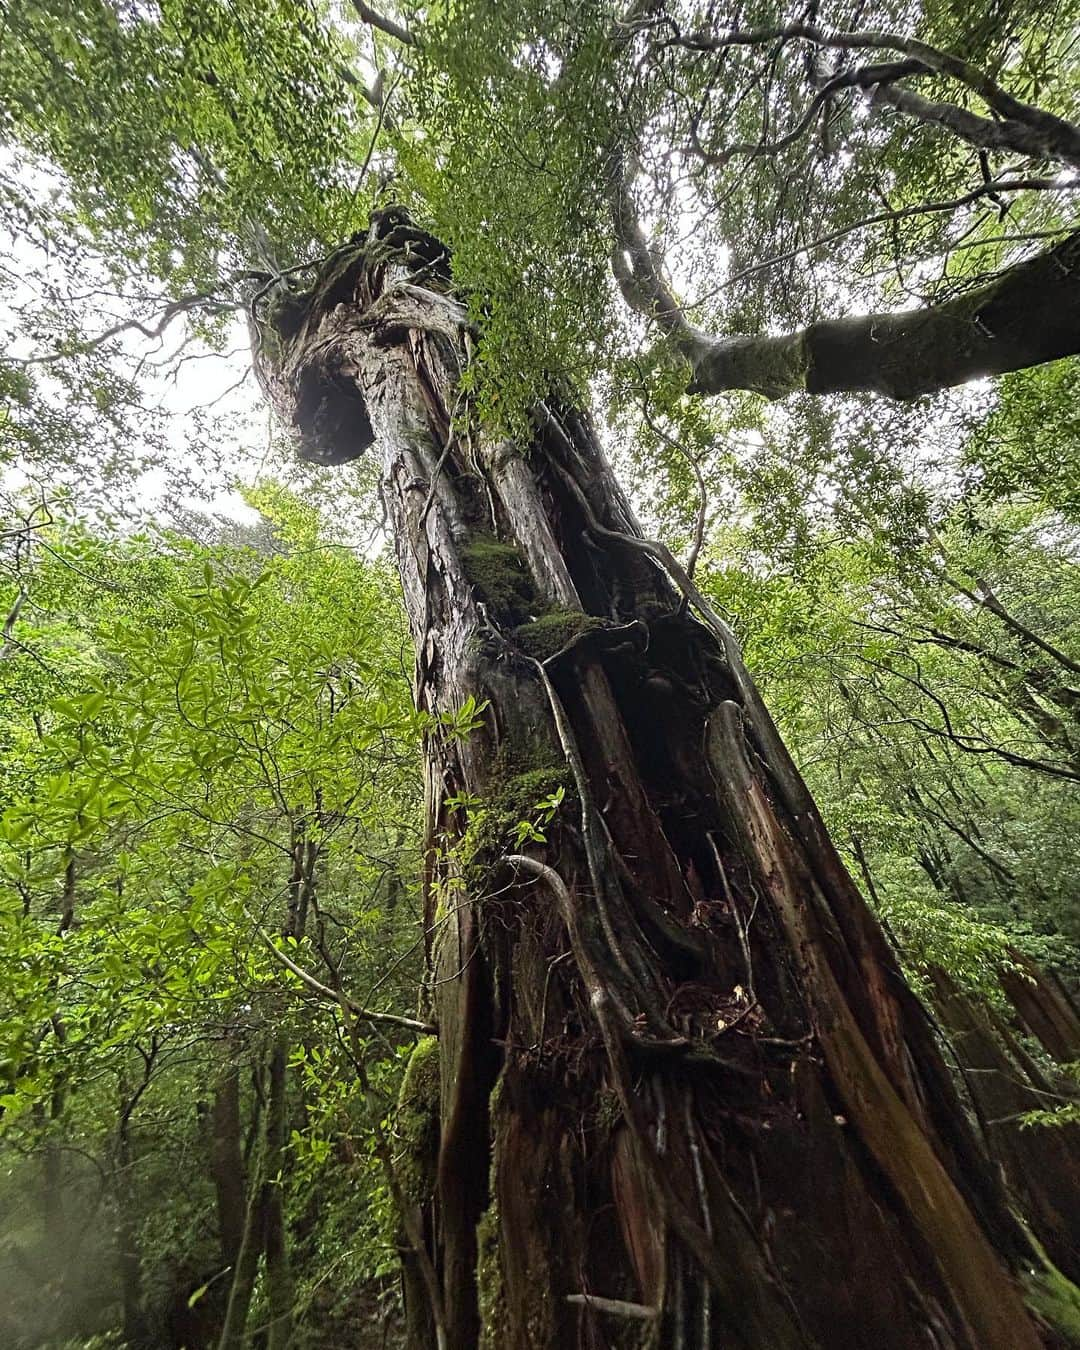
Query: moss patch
{"points": [[416, 1121], [286, 311], [609, 1112], [490, 1287], [518, 796], [553, 631], [500, 577], [1057, 1301], [511, 799]]}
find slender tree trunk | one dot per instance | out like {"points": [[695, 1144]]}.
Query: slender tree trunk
{"points": [[686, 1096], [227, 1163], [252, 1240], [264, 1232], [129, 1264], [279, 1285]]}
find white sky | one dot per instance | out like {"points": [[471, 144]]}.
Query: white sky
{"points": [[176, 380]]}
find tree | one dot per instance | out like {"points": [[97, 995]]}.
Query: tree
{"points": [[680, 1071], [184, 726], [709, 933]]}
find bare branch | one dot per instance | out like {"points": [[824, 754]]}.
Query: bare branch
{"points": [[990, 189], [616, 1307], [204, 299], [1060, 138], [325, 992], [9, 644], [865, 77]]}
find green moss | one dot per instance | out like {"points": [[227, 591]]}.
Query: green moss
{"points": [[510, 800], [416, 1121], [490, 1287], [519, 795], [553, 631], [286, 311], [609, 1112], [1056, 1300], [499, 575], [773, 366]]}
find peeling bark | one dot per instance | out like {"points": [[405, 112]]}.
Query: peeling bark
{"points": [[680, 1072]]}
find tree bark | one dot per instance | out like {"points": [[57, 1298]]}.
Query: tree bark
{"points": [[252, 1239], [1043, 1165], [1044, 1007], [128, 1257], [1027, 315], [681, 1075], [279, 1285]]}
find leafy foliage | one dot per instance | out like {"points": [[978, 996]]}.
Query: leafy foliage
{"points": [[177, 718]]}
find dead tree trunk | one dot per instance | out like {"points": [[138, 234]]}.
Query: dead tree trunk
{"points": [[686, 1096], [1042, 1165], [1044, 1007]]}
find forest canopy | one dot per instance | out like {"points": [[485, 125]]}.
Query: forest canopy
{"points": [[423, 433]]}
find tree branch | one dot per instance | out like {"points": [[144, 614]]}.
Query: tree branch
{"points": [[1060, 138], [636, 269], [982, 132], [383, 24], [865, 77], [1027, 315], [615, 1307], [991, 189], [210, 299], [325, 992]]}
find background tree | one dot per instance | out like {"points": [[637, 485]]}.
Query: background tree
{"points": [[185, 726]]}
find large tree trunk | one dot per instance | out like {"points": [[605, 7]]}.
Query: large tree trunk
{"points": [[686, 1096], [1044, 1007]]}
